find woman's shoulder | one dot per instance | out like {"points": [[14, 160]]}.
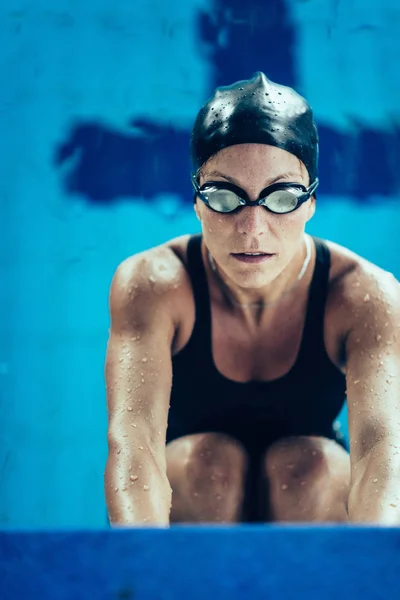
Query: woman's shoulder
{"points": [[357, 284], [349, 267]]}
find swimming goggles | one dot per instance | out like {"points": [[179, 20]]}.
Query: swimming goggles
{"points": [[278, 198]]}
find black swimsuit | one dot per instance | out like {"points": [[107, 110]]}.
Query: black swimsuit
{"points": [[305, 401]]}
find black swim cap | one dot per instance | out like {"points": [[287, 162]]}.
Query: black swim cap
{"points": [[256, 111]]}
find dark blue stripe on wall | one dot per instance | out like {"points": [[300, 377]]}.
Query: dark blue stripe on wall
{"points": [[237, 39]]}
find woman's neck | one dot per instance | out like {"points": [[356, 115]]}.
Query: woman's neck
{"points": [[253, 303]]}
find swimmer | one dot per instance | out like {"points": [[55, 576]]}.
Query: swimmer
{"points": [[231, 352]]}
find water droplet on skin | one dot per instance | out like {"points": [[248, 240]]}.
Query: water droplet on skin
{"points": [[219, 497], [393, 505], [130, 407], [134, 477], [129, 390], [356, 381], [366, 298], [284, 486], [152, 279], [291, 466], [303, 482], [119, 451], [144, 359], [378, 338], [115, 489], [124, 489], [133, 425], [375, 480], [140, 447], [146, 487]]}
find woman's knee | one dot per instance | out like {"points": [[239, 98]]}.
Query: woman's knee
{"points": [[304, 459], [210, 460]]}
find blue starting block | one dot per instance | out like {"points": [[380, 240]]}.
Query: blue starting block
{"points": [[246, 562]]}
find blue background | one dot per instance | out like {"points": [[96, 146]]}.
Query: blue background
{"points": [[96, 104]]}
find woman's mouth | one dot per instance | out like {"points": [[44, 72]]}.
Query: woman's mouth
{"points": [[252, 257]]}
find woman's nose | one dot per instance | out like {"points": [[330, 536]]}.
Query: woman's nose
{"points": [[252, 219]]}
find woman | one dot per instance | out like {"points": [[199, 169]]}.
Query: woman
{"points": [[230, 353]]}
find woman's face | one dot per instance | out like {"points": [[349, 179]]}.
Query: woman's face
{"points": [[254, 229]]}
